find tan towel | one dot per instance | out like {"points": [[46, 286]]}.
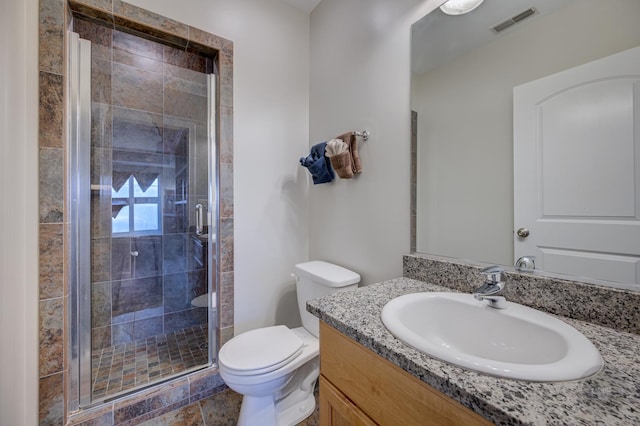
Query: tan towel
{"points": [[350, 139], [342, 165], [340, 157]]}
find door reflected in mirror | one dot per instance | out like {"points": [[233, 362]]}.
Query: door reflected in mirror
{"points": [[463, 77]]}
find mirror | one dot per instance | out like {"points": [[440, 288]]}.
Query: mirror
{"points": [[463, 76]]}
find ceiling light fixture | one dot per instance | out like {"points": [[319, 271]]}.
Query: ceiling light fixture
{"points": [[460, 7]]}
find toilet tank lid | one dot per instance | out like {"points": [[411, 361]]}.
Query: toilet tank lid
{"points": [[327, 273]]}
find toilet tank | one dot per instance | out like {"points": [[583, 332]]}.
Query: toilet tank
{"points": [[317, 279]]}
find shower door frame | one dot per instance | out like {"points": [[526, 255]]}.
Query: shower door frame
{"points": [[79, 188], [79, 178], [213, 219]]}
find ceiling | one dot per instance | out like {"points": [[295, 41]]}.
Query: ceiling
{"points": [[304, 5], [438, 38]]}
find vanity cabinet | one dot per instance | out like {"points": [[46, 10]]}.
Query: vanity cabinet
{"points": [[337, 410], [358, 387]]}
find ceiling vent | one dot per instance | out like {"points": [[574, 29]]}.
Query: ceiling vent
{"points": [[508, 23]]}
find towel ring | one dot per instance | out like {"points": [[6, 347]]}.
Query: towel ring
{"points": [[363, 134]]}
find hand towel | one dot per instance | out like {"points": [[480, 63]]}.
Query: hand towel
{"points": [[340, 158], [350, 139], [335, 147], [341, 163], [317, 164]]}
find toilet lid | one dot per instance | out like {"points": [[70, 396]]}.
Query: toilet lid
{"points": [[260, 351]]}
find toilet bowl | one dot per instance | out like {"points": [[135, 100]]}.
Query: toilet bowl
{"points": [[266, 361], [203, 302], [276, 368]]}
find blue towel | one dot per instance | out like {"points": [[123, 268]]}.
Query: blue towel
{"points": [[319, 166]]}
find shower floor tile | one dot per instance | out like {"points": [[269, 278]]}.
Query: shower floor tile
{"points": [[119, 368]]}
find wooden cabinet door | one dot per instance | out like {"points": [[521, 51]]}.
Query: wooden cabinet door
{"points": [[382, 391], [337, 410]]}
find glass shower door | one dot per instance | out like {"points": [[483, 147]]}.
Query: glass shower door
{"points": [[145, 235]]}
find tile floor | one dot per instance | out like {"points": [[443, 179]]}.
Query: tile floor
{"points": [[221, 409], [123, 367]]}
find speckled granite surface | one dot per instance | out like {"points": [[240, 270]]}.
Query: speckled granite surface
{"points": [[612, 397], [611, 307]]}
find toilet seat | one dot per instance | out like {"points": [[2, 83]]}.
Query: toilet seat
{"points": [[260, 351]]}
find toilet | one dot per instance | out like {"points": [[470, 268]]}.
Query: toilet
{"points": [[276, 368], [202, 301]]}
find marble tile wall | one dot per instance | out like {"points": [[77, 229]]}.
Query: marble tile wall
{"points": [[53, 292], [156, 402], [55, 16]]}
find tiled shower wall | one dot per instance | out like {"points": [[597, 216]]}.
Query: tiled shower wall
{"points": [[54, 396], [147, 99]]}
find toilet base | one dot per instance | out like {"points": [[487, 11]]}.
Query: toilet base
{"points": [[257, 407], [284, 413], [296, 413], [294, 403]]}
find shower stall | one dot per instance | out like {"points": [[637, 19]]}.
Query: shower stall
{"points": [[143, 193]]}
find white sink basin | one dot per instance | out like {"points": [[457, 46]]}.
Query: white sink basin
{"points": [[516, 342]]}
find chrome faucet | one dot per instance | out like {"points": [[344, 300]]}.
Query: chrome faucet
{"points": [[492, 289]]}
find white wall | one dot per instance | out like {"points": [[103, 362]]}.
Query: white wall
{"points": [[360, 79], [19, 212], [271, 122]]}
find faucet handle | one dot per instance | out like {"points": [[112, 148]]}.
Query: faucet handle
{"points": [[492, 274]]}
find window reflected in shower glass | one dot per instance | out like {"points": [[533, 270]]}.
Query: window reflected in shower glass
{"points": [[120, 223], [151, 191], [136, 207], [146, 217], [123, 192]]}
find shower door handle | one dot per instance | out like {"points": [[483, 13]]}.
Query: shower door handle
{"points": [[199, 226]]}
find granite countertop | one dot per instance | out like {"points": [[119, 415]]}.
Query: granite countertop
{"points": [[612, 397]]}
